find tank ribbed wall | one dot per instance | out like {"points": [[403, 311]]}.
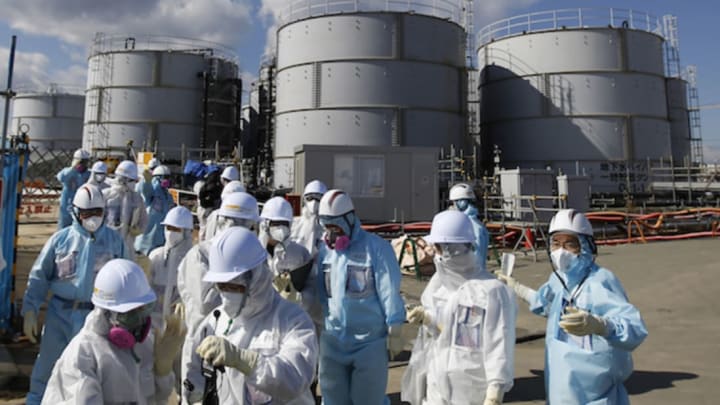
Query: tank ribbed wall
{"points": [[52, 120], [368, 79]]}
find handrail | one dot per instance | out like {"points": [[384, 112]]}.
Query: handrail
{"points": [[569, 18], [105, 43], [301, 9]]}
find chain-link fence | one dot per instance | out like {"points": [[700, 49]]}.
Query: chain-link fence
{"points": [[42, 188]]}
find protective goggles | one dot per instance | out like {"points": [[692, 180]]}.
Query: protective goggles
{"points": [[83, 213], [453, 249], [133, 318], [313, 196]]}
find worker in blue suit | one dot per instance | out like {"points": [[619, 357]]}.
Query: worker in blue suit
{"points": [[358, 281], [67, 266], [71, 179], [463, 199], [591, 328], [158, 201]]}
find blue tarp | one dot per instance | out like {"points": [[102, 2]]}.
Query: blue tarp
{"points": [[11, 171], [195, 171]]}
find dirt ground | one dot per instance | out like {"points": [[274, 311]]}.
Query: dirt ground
{"points": [[674, 284]]}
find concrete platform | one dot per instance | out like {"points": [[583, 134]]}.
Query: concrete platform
{"points": [[675, 285]]}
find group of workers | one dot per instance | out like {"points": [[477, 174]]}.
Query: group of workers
{"points": [[265, 304]]}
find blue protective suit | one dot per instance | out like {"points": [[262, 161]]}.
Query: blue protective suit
{"points": [[359, 290], [71, 180], [482, 236], [66, 266], [158, 202], [589, 369]]}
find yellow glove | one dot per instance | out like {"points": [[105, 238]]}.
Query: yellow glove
{"points": [[524, 292], [30, 326], [581, 323], [169, 344], [281, 282], [218, 351], [396, 342], [147, 175], [416, 315]]}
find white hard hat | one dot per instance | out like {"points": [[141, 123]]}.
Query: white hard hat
{"points": [[232, 253], [230, 173], [121, 286], [128, 169], [233, 187], [569, 220], [153, 163], [239, 205], [179, 217], [99, 167], [462, 191], [451, 227], [88, 196], [161, 170], [315, 187], [277, 209], [81, 154], [335, 203]]}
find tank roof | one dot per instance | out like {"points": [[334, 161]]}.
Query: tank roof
{"points": [[576, 18], [296, 10], [110, 43]]}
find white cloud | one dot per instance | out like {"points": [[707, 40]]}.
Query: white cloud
{"points": [[30, 69], [711, 154], [76, 21]]}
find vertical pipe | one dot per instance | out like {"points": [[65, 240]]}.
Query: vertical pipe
{"points": [[8, 97], [206, 90]]}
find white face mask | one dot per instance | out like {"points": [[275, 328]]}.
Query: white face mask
{"points": [[313, 206], [92, 224], [99, 178], [172, 238], [280, 233], [460, 264], [232, 303], [562, 259]]}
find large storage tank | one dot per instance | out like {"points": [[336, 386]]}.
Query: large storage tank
{"points": [[578, 90], [52, 118], [364, 73], [679, 120], [169, 92]]}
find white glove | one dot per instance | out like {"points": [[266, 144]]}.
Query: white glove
{"points": [[169, 344], [493, 395], [396, 342], [220, 352], [30, 326], [580, 323], [524, 292], [416, 315]]}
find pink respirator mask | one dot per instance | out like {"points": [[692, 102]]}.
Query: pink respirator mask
{"points": [[125, 339], [336, 242]]}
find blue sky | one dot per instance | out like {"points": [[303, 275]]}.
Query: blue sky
{"points": [[54, 35]]}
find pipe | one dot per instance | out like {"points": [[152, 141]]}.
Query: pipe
{"points": [[8, 96]]}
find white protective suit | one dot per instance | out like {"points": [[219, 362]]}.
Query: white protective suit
{"points": [[283, 258], [164, 264], [125, 212], [469, 338], [92, 370], [279, 331], [199, 302], [306, 230]]}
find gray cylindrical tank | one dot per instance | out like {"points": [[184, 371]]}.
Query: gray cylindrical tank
{"points": [[679, 119], [53, 118], [585, 86], [368, 77], [152, 90]]}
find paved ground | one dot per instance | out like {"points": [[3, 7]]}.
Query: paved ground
{"points": [[675, 285]]}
